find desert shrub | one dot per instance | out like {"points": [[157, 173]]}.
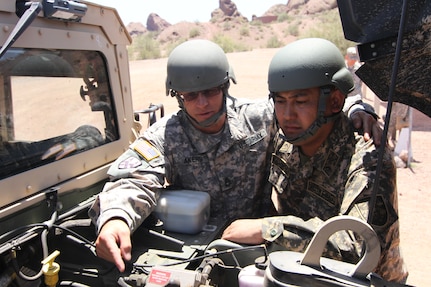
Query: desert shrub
{"points": [[273, 42], [292, 29], [144, 47], [227, 26], [194, 32], [244, 31], [229, 45], [256, 23], [284, 17]]}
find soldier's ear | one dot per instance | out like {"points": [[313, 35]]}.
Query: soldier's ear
{"points": [[336, 101]]}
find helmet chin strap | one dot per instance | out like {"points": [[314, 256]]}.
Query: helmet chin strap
{"points": [[211, 120], [321, 119]]}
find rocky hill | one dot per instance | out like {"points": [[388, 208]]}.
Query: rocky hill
{"points": [[278, 26]]}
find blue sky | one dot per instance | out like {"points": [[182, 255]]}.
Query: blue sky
{"points": [[175, 11]]}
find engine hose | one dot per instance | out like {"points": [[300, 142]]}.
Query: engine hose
{"points": [[206, 267], [18, 271], [44, 242]]}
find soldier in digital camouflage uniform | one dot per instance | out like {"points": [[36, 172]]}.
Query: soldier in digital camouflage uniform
{"points": [[321, 167], [215, 143]]}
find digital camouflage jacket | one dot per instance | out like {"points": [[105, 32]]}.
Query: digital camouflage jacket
{"points": [[232, 166], [337, 180]]}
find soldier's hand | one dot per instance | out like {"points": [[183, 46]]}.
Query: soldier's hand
{"points": [[246, 231], [113, 243], [370, 126], [60, 150], [83, 138]]}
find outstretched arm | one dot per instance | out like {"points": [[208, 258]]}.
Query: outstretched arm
{"points": [[125, 202], [246, 231], [364, 118]]}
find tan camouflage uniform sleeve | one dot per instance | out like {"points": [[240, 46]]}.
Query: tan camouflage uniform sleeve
{"points": [[294, 234], [385, 222]]}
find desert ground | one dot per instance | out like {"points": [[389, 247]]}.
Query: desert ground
{"points": [[147, 82]]}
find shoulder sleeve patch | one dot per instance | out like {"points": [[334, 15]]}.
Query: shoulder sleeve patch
{"points": [[147, 150], [130, 162]]}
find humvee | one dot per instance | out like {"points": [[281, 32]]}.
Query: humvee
{"points": [[66, 114]]}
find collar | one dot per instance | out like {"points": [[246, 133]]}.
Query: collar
{"points": [[327, 158], [222, 141]]}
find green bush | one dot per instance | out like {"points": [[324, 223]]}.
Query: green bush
{"points": [[284, 17], [256, 23], [244, 31], [273, 42], [194, 32], [144, 47], [292, 30], [227, 26], [228, 45]]}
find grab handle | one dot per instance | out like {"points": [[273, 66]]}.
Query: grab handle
{"points": [[344, 222]]}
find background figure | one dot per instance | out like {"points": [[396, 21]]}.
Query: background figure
{"points": [[399, 119], [353, 64]]}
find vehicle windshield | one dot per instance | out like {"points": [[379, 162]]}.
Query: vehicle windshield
{"points": [[53, 103]]}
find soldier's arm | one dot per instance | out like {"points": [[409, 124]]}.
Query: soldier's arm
{"points": [[137, 177], [364, 118], [294, 234], [385, 214]]}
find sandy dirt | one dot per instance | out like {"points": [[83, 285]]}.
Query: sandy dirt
{"points": [[148, 78]]}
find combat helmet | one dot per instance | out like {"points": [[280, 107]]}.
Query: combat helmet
{"points": [[309, 63], [197, 65]]}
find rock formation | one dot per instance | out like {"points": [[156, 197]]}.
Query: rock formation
{"points": [[227, 10], [156, 23], [136, 29], [311, 6]]}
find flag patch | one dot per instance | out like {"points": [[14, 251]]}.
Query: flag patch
{"points": [[145, 149], [130, 162]]}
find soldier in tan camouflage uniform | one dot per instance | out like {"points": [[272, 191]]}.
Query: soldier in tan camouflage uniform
{"points": [[215, 143], [321, 167]]}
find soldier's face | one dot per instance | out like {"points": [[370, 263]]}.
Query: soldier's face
{"points": [[296, 111], [202, 105]]}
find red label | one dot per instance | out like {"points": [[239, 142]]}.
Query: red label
{"points": [[159, 277]]}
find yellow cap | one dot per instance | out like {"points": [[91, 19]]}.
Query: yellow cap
{"points": [[50, 269]]}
